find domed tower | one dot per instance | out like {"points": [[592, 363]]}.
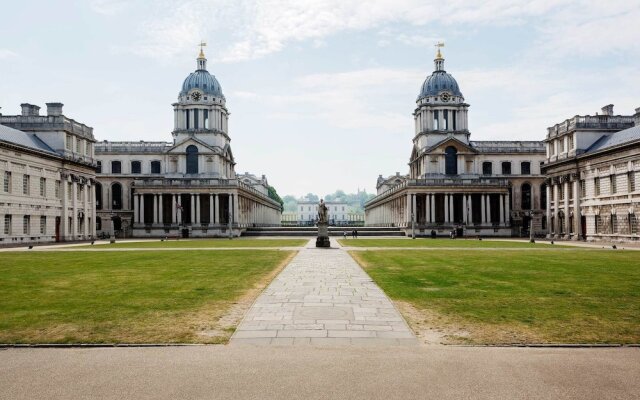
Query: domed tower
{"points": [[441, 111], [201, 108]]}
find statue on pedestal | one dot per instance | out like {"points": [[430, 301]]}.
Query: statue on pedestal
{"points": [[323, 225]]}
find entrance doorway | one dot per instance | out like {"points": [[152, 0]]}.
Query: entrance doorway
{"points": [[57, 229]]}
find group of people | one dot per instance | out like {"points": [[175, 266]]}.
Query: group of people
{"points": [[354, 234]]}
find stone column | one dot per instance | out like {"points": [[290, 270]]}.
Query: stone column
{"points": [[483, 209], [464, 208], [160, 208], [197, 196], [556, 203], [408, 210], [211, 209], [507, 209], [93, 210], [155, 208], [136, 208], [446, 208], [502, 210], [216, 215], [179, 213], [193, 208], [142, 208], [470, 209], [548, 202], [74, 205], [577, 220], [451, 209], [87, 215], [567, 221], [174, 209], [235, 208], [427, 208], [488, 205], [230, 207], [432, 216]]}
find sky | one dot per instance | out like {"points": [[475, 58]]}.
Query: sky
{"points": [[321, 93]]}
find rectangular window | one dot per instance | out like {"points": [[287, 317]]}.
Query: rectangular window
{"points": [[136, 167], [561, 192], [79, 192], [196, 120], [57, 189], [435, 120], [116, 167], [506, 168], [206, 119], [155, 167], [583, 188], [99, 167], [186, 117], [596, 186], [7, 182], [454, 114], [69, 144], [43, 187], [614, 184], [87, 149], [561, 145], [525, 168], [79, 145], [571, 142], [631, 181], [7, 224], [445, 120], [26, 225], [43, 225], [25, 184]]}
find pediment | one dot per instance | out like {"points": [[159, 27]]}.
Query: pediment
{"points": [[440, 147], [203, 147]]}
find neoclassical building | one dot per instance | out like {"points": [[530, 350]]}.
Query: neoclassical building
{"points": [[489, 188], [47, 169], [593, 169], [185, 187]]}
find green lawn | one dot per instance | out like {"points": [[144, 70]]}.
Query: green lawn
{"points": [[128, 297], [422, 242], [569, 296], [205, 243]]}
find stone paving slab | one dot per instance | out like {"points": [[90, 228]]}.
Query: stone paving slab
{"points": [[323, 297]]}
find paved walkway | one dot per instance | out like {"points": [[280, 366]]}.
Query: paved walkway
{"points": [[323, 297]]}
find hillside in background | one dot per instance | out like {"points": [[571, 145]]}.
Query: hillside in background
{"points": [[355, 200]]}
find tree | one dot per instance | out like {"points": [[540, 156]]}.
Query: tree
{"points": [[273, 194]]}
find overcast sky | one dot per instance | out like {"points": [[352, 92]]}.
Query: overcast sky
{"points": [[321, 92]]}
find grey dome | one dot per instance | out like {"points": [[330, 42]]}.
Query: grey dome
{"points": [[437, 82], [203, 80]]}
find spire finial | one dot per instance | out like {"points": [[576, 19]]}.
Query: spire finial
{"points": [[202, 44], [439, 45]]}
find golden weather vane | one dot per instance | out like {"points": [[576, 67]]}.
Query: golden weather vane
{"points": [[439, 45], [202, 44]]}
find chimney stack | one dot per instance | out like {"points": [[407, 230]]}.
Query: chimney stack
{"points": [[636, 117], [29, 110], [54, 109], [607, 110]]}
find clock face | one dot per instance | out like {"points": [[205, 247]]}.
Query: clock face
{"points": [[445, 97], [195, 96]]}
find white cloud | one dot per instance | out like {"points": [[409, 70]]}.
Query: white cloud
{"points": [[109, 7], [6, 54]]}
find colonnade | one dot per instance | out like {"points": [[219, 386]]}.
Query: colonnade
{"points": [[569, 205], [422, 208]]}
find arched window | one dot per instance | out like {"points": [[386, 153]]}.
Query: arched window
{"points": [[526, 196], [451, 160], [192, 159], [487, 168], [543, 196], [98, 196], [116, 194]]}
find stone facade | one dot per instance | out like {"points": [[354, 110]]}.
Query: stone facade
{"points": [[593, 174], [47, 170], [488, 188], [187, 187]]}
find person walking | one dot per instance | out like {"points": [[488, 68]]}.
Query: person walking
{"points": [[344, 234]]}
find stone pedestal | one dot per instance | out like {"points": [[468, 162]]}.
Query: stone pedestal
{"points": [[323, 235]]}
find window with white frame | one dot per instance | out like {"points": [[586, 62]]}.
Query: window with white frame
{"points": [[43, 225], [43, 187], [69, 144], [79, 145], [25, 184], [87, 149], [26, 225], [7, 224], [596, 186], [631, 181], [57, 190], [614, 185], [7, 182]]}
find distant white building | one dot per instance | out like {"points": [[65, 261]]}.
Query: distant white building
{"points": [[307, 212]]}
